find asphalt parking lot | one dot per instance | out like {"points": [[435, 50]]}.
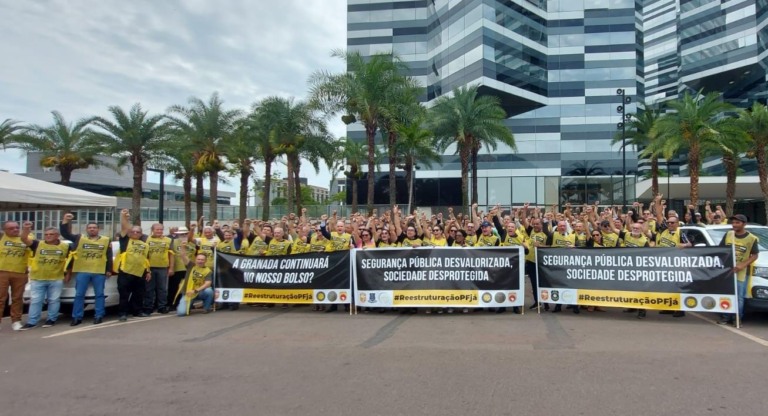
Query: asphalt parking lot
{"points": [[299, 362]]}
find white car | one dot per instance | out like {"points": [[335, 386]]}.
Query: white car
{"points": [[757, 288], [111, 296]]}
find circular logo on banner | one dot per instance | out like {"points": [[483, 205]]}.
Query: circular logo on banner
{"points": [[500, 297], [691, 302], [487, 297], [544, 294], [725, 304], [384, 297], [321, 296], [343, 296], [332, 296], [512, 297], [708, 303], [363, 297]]}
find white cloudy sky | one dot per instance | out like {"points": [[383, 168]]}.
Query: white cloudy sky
{"points": [[79, 57]]}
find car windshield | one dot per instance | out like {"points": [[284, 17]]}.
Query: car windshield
{"points": [[759, 232]]}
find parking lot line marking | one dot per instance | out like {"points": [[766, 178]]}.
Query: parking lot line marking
{"points": [[739, 332], [105, 325]]}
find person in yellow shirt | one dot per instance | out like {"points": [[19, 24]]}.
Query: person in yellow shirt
{"points": [[161, 265], [196, 285], [745, 245], [180, 237], [47, 274], [14, 255], [132, 268], [92, 264]]}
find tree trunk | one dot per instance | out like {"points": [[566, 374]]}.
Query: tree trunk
{"points": [[213, 193], [200, 196], [729, 161], [289, 192], [297, 184], [408, 168], [66, 175], [655, 176], [187, 184], [391, 142], [475, 151], [138, 175], [464, 153], [762, 173], [693, 167], [370, 132], [267, 188], [245, 176]]}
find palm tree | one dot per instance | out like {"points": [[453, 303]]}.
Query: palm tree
{"points": [[638, 134], [503, 135], [295, 132], [179, 161], [415, 146], [754, 122], [240, 148], [693, 123], [259, 120], [355, 154], [360, 94], [401, 107], [66, 147], [467, 120], [731, 142], [136, 138], [10, 132], [207, 124]]}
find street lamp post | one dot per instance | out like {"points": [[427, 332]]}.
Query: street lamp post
{"points": [[161, 200], [622, 109]]}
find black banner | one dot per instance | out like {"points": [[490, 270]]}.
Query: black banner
{"points": [[698, 279], [300, 278], [439, 277]]}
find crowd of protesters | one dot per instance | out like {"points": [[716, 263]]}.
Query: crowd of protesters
{"points": [[159, 272]]}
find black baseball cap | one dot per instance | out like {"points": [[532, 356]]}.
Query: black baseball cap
{"points": [[739, 217]]}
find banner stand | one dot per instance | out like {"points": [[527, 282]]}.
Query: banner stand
{"points": [[215, 270], [736, 286], [536, 295]]}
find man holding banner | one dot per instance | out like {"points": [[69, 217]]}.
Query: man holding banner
{"points": [[745, 246], [339, 240], [196, 285]]}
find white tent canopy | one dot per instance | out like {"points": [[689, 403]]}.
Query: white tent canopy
{"points": [[21, 192]]}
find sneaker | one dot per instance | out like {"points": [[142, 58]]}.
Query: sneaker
{"points": [[97, 321], [49, 323], [678, 314], [16, 326], [144, 315], [726, 321], [24, 327], [450, 310], [465, 310], [123, 318], [641, 314]]}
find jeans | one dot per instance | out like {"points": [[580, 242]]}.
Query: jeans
{"points": [[42, 289], [206, 295], [741, 293], [156, 288], [530, 270], [131, 290], [82, 280]]}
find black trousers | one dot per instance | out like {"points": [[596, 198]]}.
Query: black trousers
{"points": [[131, 290], [530, 270]]}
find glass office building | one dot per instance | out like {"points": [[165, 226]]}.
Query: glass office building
{"points": [[557, 67]]}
